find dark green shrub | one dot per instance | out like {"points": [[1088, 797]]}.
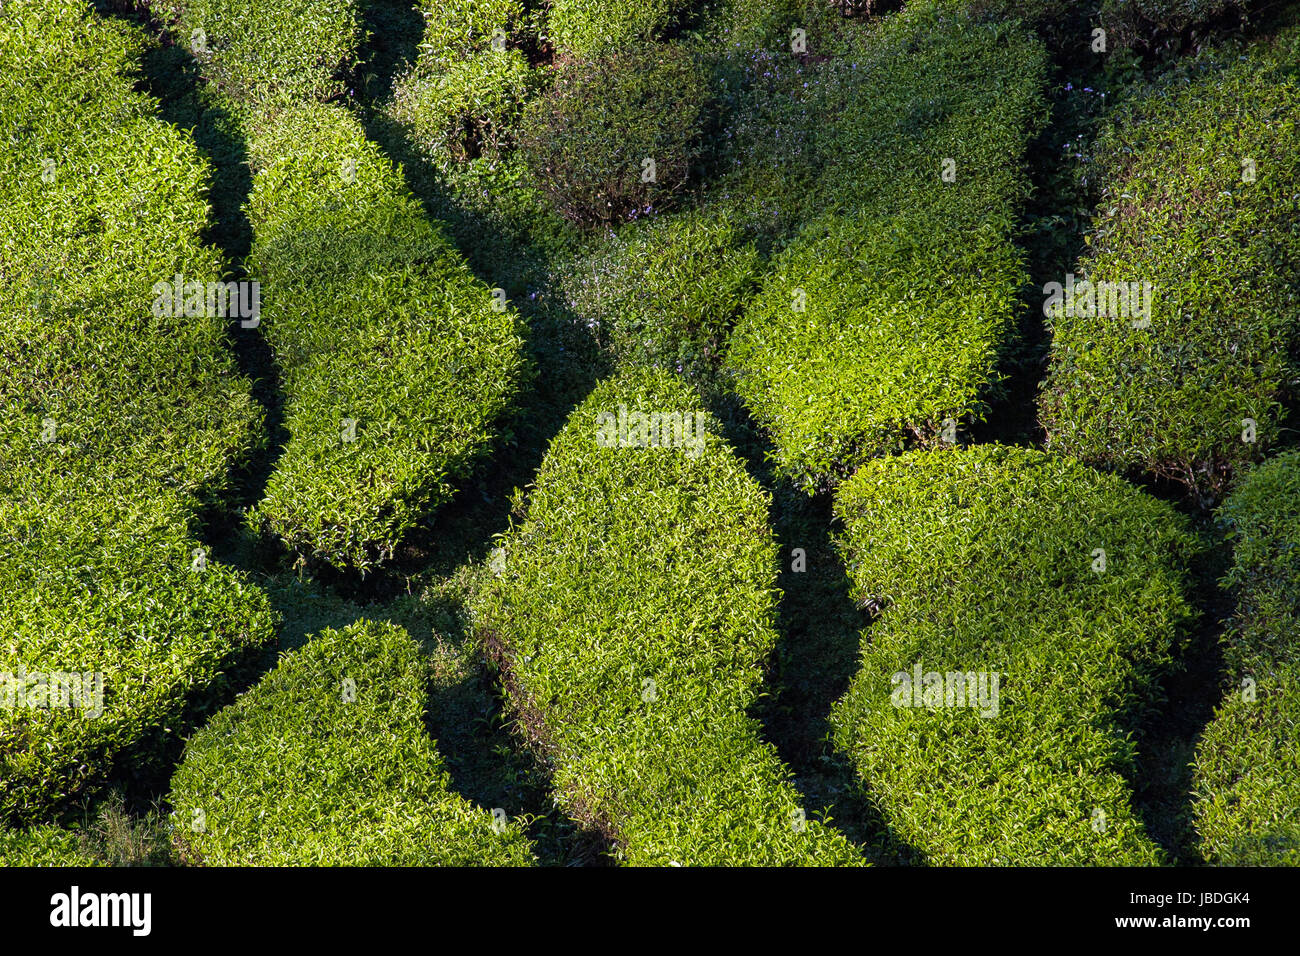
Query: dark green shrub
{"points": [[747, 25], [986, 560], [1134, 20], [590, 140], [265, 52], [632, 616], [1198, 199], [1248, 762], [585, 28], [882, 321], [376, 321], [116, 424], [327, 762], [666, 293]]}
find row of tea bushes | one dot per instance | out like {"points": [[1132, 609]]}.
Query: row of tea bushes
{"points": [[1027, 608], [327, 762], [396, 362], [1248, 761], [882, 322], [269, 52], [632, 616], [1199, 201], [120, 420]]}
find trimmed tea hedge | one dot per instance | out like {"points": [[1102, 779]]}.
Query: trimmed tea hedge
{"points": [[666, 293], [116, 423], [1198, 199], [988, 560], [632, 617], [615, 137], [885, 316], [327, 762], [1248, 760], [585, 28], [269, 52], [143, 634], [43, 846], [114, 389], [376, 320], [464, 96]]}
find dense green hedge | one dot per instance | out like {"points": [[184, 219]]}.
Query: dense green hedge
{"points": [[986, 560], [268, 52], [375, 318], [1180, 210], [44, 846], [1248, 760], [99, 200], [464, 96], [633, 616], [584, 28], [614, 138], [884, 318], [666, 291], [116, 424], [327, 762], [124, 599], [1145, 19]]}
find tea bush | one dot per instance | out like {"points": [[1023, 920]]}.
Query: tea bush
{"points": [[1134, 20], [118, 423], [632, 616], [326, 762], [589, 138], [666, 293], [1248, 764], [987, 559], [885, 315], [270, 53], [465, 110], [375, 319], [43, 846], [82, 251], [585, 28], [1199, 200], [464, 96]]}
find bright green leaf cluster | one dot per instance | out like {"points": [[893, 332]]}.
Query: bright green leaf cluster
{"points": [[1199, 199], [43, 846], [1066, 583], [269, 52], [884, 319], [117, 424], [327, 762], [585, 28]]}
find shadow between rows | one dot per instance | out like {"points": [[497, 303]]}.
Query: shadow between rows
{"points": [[819, 637]]}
